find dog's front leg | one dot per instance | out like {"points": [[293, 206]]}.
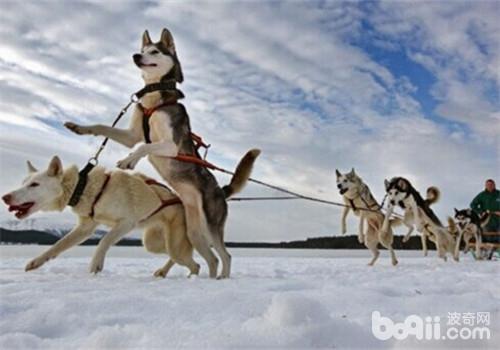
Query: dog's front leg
{"points": [[457, 243], [387, 219], [78, 234], [478, 245], [345, 212], [112, 237], [417, 219], [161, 149], [127, 137]]}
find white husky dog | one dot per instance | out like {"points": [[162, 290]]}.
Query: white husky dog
{"points": [[358, 198], [116, 199]]}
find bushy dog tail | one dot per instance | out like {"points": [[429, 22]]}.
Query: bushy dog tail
{"points": [[433, 195], [242, 173]]}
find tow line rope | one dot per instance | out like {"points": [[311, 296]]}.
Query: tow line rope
{"points": [[134, 98]]}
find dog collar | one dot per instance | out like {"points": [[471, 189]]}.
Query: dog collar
{"points": [[166, 86]]}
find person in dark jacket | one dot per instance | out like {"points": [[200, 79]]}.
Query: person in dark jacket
{"points": [[489, 200]]}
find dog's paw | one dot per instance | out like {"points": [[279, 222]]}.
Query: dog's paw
{"points": [[128, 163], [361, 239], [344, 230], [406, 239], [160, 273], [96, 265], [77, 129], [35, 263]]}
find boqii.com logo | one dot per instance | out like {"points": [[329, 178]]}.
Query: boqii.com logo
{"points": [[463, 326]]}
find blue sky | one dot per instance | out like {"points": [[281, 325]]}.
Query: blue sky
{"points": [[390, 88]]}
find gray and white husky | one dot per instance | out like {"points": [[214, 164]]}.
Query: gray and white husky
{"points": [[470, 226], [358, 198], [400, 192], [166, 133]]}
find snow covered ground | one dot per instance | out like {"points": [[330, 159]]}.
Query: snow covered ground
{"points": [[275, 298]]}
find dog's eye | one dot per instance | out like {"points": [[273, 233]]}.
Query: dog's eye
{"points": [[154, 52], [34, 184]]}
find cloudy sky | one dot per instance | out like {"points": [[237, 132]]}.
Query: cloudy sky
{"points": [[390, 88]]}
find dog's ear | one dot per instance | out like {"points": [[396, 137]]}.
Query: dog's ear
{"points": [[352, 173], [146, 40], [402, 184], [55, 167], [456, 211], [337, 172], [386, 184], [31, 168], [167, 40]]}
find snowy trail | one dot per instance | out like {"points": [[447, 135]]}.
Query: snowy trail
{"points": [[303, 302]]}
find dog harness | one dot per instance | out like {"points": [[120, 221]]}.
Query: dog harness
{"points": [[197, 140]]}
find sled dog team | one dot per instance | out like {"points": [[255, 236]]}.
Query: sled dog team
{"points": [[193, 215]]}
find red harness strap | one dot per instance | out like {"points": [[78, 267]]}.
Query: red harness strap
{"points": [[148, 112], [164, 203], [99, 195]]}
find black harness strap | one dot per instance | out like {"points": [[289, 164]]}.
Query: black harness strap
{"points": [[162, 86], [80, 185], [145, 129], [352, 205]]}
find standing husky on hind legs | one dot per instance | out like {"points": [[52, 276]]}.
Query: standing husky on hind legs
{"points": [[358, 198], [163, 125]]}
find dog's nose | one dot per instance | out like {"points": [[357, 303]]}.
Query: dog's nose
{"points": [[137, 58], [393, 202], [7, 198], [339, 186]]}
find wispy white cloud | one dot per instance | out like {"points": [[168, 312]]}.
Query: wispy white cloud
{"points": [[284, 77]]}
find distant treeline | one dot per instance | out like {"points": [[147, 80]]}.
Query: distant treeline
{"points": [[331, 242]]}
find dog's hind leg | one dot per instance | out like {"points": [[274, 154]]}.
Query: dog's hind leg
{"points": [[361, 232], [371, 242], [220, 248], [179, 247], [112, 237], [197, 228], [162, 272], [423, 239], [385, 239], [78, 234]]}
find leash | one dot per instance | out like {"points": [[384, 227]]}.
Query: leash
{"points": [[171, 85]]}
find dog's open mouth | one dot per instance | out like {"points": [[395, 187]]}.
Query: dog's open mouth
{"points": [[343, 190], [147, 65], [21, 210]]}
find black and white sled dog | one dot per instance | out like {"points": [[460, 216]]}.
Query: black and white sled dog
{"points": [[433, 195], [358, 198], [400, 192], [162, 126], [470, 226]]}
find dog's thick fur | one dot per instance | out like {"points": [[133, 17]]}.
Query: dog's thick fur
{"points": [[126, 202], [469, 225], [358, 197], [170, 133], [433, 195], [400, 192]]}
